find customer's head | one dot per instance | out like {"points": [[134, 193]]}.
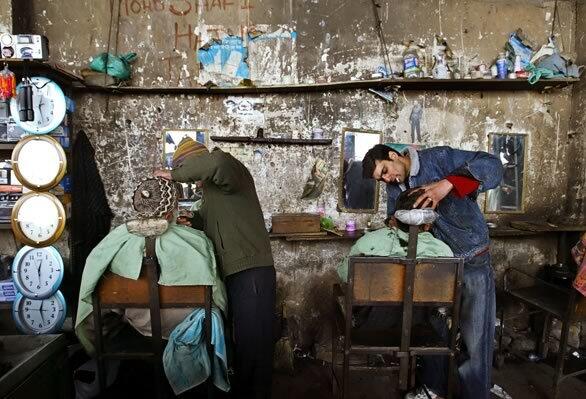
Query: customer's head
{"points": [[405, 201], [383, 163]]}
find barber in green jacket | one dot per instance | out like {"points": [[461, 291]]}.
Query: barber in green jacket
{"points": [[231, 216]]}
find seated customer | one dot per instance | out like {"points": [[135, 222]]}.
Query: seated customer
{"points": [[393, 241]]}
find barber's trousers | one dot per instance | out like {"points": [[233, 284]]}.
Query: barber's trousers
{"points": [[251, 302], [477, 325]]}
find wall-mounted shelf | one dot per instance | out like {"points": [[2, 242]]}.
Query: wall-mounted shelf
{"points": [[51, 70], [7, 146], [269, 140], [404, 84]]}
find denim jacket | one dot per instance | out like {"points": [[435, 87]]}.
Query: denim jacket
{"points": [[460, 224]]}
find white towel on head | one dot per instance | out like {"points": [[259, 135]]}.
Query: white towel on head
{"points": [[416, 217]]}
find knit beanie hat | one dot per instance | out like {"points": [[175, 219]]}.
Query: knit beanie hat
{"points": [[187, 147]]}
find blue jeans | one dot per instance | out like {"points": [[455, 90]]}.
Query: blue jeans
{"points": [[477, 320]]}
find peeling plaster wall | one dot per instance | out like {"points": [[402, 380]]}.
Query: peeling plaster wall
{"points": [[577, 133], [5, 16], [335, 40]]}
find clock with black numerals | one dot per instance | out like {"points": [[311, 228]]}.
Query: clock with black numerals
{"points": [[39, 316], [37, 272]]}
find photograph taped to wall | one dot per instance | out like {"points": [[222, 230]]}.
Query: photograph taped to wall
{"points": [[357, 194], [511, 149], [171, 139]]}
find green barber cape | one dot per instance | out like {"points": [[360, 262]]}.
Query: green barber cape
{"points": [[386, 242], [186, 257]]}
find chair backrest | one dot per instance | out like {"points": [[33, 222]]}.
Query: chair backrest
{"points": [[118, 292], [382, 280], [115, 291]]}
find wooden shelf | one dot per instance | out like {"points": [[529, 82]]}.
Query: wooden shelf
{"points": [[403, 84], [51, 70], [329, 237], [7, 146], [269, 140]]}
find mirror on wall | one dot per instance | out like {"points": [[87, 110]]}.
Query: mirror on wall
{"points": [[511, 149], [357, 194], [191, 192]]}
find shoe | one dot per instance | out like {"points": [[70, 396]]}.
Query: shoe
{"points": [[419, 393]]}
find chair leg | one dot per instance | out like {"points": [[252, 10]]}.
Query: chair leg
{"points": [[345, 373], [97, 314], [334, 360], [544, 343], [559, 366], [451, 375]]}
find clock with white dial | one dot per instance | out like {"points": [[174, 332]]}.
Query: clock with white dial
{"points": [[39, 316], [39, 162], [49, 106], [38, 219], [37, 272]]}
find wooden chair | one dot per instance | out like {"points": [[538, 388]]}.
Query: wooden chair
{"points": [[115, 292], [385, 281]]}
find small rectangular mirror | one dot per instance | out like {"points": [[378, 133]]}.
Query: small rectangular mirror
{"points": [[171, 139], [357, 194], [511, 149]]}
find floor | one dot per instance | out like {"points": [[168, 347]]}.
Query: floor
{"points": [[520, 379]]}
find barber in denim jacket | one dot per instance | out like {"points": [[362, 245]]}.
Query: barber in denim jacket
{"points": [[452, 180]]}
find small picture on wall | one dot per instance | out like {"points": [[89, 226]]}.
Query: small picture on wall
{"points": [[172, 138]]}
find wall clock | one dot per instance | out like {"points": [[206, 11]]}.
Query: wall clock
{"points": [[39, 316], [39, 162], [37, 272], [49, 106], [38, 219]]}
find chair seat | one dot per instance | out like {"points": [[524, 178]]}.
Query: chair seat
{"points": [[389, 340]]}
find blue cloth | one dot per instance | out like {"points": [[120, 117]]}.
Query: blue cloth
{"points": [[186, 359], [460, 224]]}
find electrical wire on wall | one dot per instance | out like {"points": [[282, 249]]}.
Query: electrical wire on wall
{"points": [[381, 36], [108, 46]]}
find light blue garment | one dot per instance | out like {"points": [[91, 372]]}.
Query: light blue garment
{"points": [[186, 359]]}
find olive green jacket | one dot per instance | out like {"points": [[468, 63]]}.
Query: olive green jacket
{"points": [[230, 213]]}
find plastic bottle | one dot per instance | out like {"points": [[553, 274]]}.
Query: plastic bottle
{"points": [[501, 66], [411, 65]]}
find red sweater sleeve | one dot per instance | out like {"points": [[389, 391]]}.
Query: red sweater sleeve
{"points": [[463, 185]]}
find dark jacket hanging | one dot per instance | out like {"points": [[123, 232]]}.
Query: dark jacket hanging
{"points": [[90, 213]]}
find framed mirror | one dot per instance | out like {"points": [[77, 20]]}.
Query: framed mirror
{"points": [[511, 149], [171, 139], [357, 194]]}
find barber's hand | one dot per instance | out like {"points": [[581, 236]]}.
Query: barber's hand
{"points": [[433, 194], [184, 218], [391, 222], [165, 174]]}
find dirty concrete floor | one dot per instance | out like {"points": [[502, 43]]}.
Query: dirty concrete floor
{"points": [[522, 380]]}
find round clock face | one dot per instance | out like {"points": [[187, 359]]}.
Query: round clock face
{"points": [[39, 316], [48, 106], [37, 272], [38, 219], [39, 162]]}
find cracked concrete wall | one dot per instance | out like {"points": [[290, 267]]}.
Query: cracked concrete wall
{"points": [[335, 40]]}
